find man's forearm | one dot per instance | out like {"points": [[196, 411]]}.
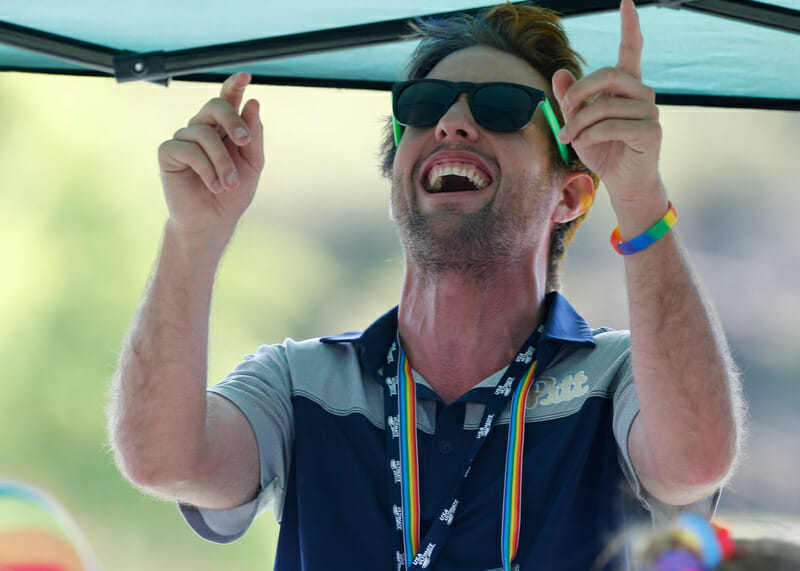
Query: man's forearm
{"points": [[687, 434], [158, 416]]}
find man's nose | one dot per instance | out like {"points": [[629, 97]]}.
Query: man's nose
{"points": [[457, 122]]}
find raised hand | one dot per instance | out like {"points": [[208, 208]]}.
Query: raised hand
{"points": [[612, 121], [210, 168]]}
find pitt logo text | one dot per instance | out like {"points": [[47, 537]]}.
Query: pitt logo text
{"points": [[549, 391]]}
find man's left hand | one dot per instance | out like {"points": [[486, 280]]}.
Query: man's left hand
{"points": [[611, 120]]}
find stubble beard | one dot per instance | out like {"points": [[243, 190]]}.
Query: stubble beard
{"points": [[471, 244]]}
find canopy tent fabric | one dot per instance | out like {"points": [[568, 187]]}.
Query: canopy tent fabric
{"points": [[733, 53]]}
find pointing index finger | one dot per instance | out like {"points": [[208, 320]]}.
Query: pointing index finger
{"points": [[233, 89], [630, 45]]}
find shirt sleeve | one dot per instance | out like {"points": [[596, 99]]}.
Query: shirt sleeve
{"points": [[261, 387], [626, 408]]}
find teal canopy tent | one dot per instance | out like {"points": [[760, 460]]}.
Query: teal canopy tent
{"points": [[731, 53]]}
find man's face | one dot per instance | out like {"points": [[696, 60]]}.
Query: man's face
{"points": [[500, 203]]}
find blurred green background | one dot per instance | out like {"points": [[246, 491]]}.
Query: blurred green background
{"points": [[81, 214]]}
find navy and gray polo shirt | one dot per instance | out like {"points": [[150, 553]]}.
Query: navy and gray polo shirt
{"points": [[316, 408]]}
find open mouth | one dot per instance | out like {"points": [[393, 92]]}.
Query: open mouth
{"points": [[455, 177]]}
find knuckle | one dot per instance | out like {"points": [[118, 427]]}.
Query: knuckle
{"points": [[205, 131], [213, 109], [608, 106], [658, 131], [195, 153], [165, 148], [217, 102], [654, 131], [258, 160], [172, 147], [192, 157]]}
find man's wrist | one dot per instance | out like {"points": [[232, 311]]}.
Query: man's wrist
{"points": [[201, 248], [647, 238], [637, 215], [209, 240]]}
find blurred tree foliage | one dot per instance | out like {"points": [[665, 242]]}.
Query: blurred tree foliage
{"points": [[80, 222], [80, 225]]}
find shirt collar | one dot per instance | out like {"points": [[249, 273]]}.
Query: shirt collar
{"points": [[563, 325]]}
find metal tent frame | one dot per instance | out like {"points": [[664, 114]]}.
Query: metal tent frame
{"points": [[195, 64]]}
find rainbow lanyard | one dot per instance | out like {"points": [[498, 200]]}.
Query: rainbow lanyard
{"points": [[409, 459], [400, 402], [512, 489]]}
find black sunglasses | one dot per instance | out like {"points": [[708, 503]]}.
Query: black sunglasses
{"points": [[497, 106]]}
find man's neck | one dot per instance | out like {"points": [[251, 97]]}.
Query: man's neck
{"points": [[458, 329]]}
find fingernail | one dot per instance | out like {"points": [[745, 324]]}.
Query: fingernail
{"points": [[232, 179], [562, 135], [241, 133], [216, 187]]}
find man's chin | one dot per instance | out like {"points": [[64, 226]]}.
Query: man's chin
{"points": [[446, 222], [451, 240]]}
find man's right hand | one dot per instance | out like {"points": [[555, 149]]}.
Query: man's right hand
{"points": [[210, 168], [169, 436]]}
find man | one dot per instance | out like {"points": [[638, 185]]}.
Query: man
{"points": [[481, 424]]}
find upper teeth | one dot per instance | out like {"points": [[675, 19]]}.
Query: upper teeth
{"points": [[437, 174]]}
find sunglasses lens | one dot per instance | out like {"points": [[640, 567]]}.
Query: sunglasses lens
{"points": [[423, 103], [496, 106], [504, 107]]}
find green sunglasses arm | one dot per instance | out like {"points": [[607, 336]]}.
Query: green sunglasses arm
{"points": [[550, 115], [397, 129]]}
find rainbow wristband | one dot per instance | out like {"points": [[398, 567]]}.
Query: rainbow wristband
{"points": [[648, 238]]}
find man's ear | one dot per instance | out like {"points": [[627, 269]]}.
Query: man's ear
{"points": [[577, 195]]}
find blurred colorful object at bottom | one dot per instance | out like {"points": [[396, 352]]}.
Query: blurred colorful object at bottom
{"points": [[38, 534]]}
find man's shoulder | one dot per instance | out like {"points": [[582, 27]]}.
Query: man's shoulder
{"points": [[601, 366], [611, 338], [312, 352], [319, 357], [331, 378], [609, 345]]}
